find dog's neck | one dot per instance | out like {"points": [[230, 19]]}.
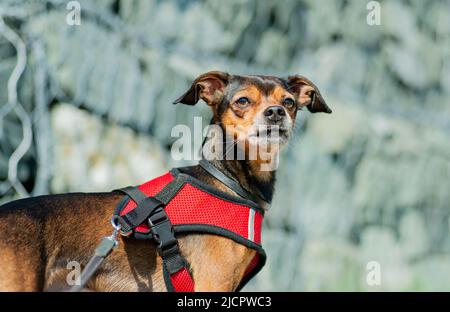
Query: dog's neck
{"points": [[252, 175]]}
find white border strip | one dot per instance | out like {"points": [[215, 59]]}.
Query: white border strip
{"points": [[251, 225]]}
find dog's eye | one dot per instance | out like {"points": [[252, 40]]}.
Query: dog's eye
{"points": [[243, 101], [289, 103]]}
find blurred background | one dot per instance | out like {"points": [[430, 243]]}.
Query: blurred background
{"points": [[88, 108]]}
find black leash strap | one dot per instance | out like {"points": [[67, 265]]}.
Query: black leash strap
{"points": [[105, 247], [227, 181]]}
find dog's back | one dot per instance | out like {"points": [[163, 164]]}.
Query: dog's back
{"points": [[32, 229], [21, 245]]}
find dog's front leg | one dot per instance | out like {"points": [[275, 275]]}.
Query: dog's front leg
{"points": [[133, 266], [217, 263]]}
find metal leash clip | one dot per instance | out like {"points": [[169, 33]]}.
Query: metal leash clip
{"points": [[117, 227], [103, 249], [108, 243]]}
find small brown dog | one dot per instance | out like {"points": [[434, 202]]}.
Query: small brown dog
{"points": [[40, 235]]}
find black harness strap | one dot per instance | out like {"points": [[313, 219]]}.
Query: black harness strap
{"points": [[171, 189], [161, 229], [227, 181], [146, 206], [134, 193], [136, 216]]}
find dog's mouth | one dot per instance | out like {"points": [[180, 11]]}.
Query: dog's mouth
{"points": [[268, 135]]}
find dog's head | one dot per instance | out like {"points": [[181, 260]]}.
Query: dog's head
{"points": [[255, 109]]}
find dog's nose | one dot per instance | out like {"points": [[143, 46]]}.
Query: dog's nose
{"points": [[275, 113]]}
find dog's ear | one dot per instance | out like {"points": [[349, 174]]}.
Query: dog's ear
{"points": [[307, 94], [208, 87]]}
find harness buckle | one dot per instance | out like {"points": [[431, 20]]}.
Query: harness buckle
{"points": [[137, 216], [163, 233], [161, 229]]}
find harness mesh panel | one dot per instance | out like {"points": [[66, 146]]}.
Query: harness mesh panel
{"points": [[194, 206]]}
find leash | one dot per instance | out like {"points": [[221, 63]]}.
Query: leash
{"points": [[103, 250]]}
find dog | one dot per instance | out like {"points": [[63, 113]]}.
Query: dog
{"points": [[40, 235]]}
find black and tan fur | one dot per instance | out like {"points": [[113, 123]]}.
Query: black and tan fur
{"points": [[40, 235]]}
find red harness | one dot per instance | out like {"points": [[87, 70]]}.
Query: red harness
{"points": [[177, 203]]}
